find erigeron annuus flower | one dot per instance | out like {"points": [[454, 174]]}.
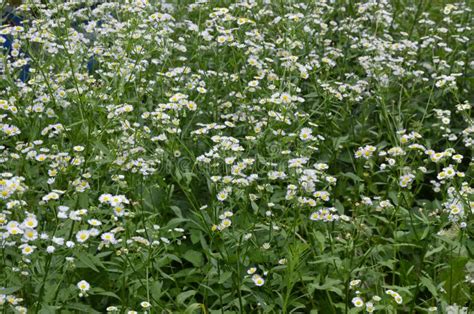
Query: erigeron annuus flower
{"points": [[145, 304], [29, 235], [396, 151], [369, 307], [119, 211], [10, 130], [365, 152], [406, 179], [258, 280], [83, 286], [225, 223], [222, 195], [94, 222], [254, 83], [325, 214], [30, 222], [435, 157], [116, 200], [10, 185], [355, 282], [3, 219], [323, 195], [11, 299], [274, 175], [108, 238], [395, 295], [358, 302], [82, 236], [297, 162], [13, 228], [448, 172], [448, 8], [456, 209], [457, 158], [27, 249], [191, 105], [52, 196], [105, 198], [41, 157], [306, 134], [21, 309]]}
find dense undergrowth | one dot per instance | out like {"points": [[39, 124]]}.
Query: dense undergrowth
{"points": [[236, 157]]}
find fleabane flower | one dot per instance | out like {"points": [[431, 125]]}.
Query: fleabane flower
{"points": [[145, 304], [30, 222], [406, 179], [395, 295], [83, 286], [258, 280], [82, 236], [358, 302], [27, 249], [365, 152], [369, 307], [306, 134], [108, 238]]}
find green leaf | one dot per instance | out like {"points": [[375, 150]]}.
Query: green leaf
{"points": [[428, 283], [82, 308], [9, 290], [456, 288], [87, 261], [194, 257], [156, 289], [328, 285], [225, 277], [105, 293], [434, 251], [185, 295], [48, 309], [195, 308], [352, 176]]}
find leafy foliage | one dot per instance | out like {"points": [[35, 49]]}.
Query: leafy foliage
{"points": [[236, 157]]}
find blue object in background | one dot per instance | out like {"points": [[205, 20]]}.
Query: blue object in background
{"points": [[92, 65], [14, 20], [9, 17], [8, 43], [25, 73]]}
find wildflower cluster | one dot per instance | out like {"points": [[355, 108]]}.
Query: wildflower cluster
{"points": [[236, 156]]}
